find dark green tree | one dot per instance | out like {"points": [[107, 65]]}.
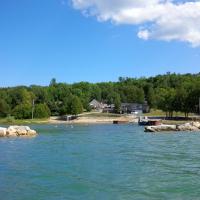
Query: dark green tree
{"points": [[4, 108], [76, 106], [22, 111], [41, 111], [117, 103]]}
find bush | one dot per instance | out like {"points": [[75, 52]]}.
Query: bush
{"points": [[10, 119], [4, 108], [22, 111], [42, 111], [76, 106]]}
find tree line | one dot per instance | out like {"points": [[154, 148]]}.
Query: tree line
{"points": [[169, 92]]}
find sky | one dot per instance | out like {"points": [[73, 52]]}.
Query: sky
{"points": [[96, 40]]}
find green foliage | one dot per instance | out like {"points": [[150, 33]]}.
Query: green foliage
{"points": [[65, 107], [41, 111], [20, 95], [170, 92], [76, 106], [117, 103], [52, 82], [22, 111], [4, 108], [166, 100], [150, 95], [10, 119]]}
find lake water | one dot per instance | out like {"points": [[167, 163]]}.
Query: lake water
{"points": [[100, 162]]}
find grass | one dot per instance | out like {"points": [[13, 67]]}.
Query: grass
{"points": [[160, 113], [12, 121], [174, 122], [22, 121], [96, 114]]}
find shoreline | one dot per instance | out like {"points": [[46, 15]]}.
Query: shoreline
{"points": [[95, 120], [85, 120], [80, 120]]}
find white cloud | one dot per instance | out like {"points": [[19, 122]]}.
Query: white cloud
{"points": [[164, 19], [144, 34]]}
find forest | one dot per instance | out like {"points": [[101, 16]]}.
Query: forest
{"points": [[169, 92]]}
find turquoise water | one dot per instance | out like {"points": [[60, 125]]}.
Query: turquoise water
{"points": [[100, 162]]}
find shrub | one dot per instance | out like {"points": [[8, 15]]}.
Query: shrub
{"points": [[76, 106], [10, 119], [4, 108], [42, 111], [22, 111]]}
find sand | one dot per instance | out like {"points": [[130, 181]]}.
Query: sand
{"points": [[94, 120]]}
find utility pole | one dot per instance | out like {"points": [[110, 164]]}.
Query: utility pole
{"points": [[33, 104]]}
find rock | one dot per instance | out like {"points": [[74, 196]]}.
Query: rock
{"points": [[11, 134], [187, 127], [192, 126], [196, 124], [32, 132], [20, 131], [149, 129], [3, 132], [160, 128]]}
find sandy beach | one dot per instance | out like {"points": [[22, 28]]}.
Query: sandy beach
{"points": [[87, 119]]}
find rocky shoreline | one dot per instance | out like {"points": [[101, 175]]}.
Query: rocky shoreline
{"points": [[16, 131], [191, 126]]}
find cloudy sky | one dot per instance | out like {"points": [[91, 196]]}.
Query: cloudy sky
{"points": [[96, 40]]}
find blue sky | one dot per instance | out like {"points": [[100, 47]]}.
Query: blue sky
{"points": [[42, 39]]}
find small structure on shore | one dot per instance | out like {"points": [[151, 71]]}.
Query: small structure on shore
{"points": [[15, 131], [68, 117], [134, 107], [192, 126], [145, 121], [120, 122], [109, 108]]}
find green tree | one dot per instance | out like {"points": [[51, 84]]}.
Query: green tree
{"points": [[150, 95], [20, 95], [180, 100], [65, 108], [165, 100], [22, 111], [76, 106], [52, 82], [4, 108], [41, 111], [117, 103]]}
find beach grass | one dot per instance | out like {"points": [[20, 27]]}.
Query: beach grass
{"points": [[22, 121]]}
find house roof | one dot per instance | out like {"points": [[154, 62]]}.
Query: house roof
{"points": [[95, 103]]}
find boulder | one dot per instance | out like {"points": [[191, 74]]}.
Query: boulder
{"points": [[160, 128], [187, 127], [31, 132], [192, 126], [20, 131], [196, 124], [11, 133], [3, 132]]}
